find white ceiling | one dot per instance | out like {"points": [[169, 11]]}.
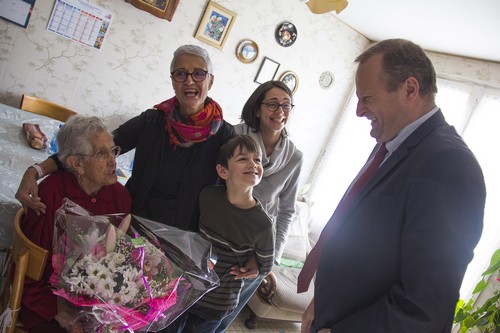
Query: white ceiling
{"points": [[459, 27]]}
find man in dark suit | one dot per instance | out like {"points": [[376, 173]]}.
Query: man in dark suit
{"points": [[398, 251]]}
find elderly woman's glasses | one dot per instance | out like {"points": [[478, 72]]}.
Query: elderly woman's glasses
{"points": [[180, 75], [103, 154], [273, 107]]}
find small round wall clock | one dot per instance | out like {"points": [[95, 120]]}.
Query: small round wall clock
{"points": [[286, 34], [326, 80]]}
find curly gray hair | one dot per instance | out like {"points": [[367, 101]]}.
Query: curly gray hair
{"points": [[74, 137]]}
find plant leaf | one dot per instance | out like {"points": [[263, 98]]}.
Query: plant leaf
{"points": [[494, 263], [480, 286]]}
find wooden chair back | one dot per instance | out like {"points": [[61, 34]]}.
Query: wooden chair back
{"points": [[45, 108], [30, 260]]}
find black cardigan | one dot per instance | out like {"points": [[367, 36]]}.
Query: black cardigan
{"points": [[147, 134]]}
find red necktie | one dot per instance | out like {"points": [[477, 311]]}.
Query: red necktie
{"points": [[311, 263]]}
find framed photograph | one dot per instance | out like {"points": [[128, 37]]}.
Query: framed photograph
{"points": [[247, 51], [215, 25], [17, 11], [291, 80], [160, 8], [267, 70]]}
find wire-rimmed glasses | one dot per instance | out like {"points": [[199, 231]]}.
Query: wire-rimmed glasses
{"points": [[103, 154]]}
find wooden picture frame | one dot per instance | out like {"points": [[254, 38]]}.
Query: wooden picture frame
{"points": [[164, 9], [267, 70], [247, 51], [215, 25], [291, 80]]}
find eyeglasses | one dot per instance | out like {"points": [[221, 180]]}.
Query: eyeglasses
{"points": [[103, 154], [180, 75], [273, 107]]}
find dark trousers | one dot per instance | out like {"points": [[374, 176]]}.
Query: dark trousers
{"points": [[249, 288]]}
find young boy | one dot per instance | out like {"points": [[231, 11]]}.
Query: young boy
{"points": [[238, 228]]}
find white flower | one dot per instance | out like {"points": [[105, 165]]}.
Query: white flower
{"points": [[76, 283], [115, 277], [105, 288], [128, 292], [115, 260], [97, 269]]}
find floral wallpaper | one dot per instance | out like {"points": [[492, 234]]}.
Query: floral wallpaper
{"points": [[131, 71]]}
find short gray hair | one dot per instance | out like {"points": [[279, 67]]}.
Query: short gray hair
{"points": [[192, 50], [75, 136]]}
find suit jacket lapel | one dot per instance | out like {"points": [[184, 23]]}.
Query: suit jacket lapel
{"points": [[394, 159]]}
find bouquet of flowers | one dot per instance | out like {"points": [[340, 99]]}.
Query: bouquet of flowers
{"points": [[124, 273]]}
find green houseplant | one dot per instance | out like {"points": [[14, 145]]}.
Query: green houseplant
{"points": [[485, 317]]}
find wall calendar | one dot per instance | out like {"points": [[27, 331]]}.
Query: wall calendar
{"points": [[81, 22]]}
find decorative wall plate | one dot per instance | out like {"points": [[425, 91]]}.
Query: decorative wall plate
{"points": [[247, 51], [326, 80], [286, 34]]}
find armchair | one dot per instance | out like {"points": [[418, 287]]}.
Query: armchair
{"points": [[277, 297]]}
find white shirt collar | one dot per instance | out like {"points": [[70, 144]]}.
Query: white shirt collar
{"points": [[393, 144]]}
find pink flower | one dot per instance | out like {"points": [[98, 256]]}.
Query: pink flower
{"points": [[151, 264], [99, 251], [136, 255], [58, 260]]}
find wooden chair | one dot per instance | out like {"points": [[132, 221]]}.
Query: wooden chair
{"points": [[45, 108], [30, 260]]}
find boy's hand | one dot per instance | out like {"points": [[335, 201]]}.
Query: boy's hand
{"points": [[249, 271]]}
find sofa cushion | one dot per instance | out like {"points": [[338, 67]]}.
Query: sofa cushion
{"points": [[297, 244], [283, 294]]}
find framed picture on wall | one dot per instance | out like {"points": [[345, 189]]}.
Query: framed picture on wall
{"points": [[267, 70], [247, 51], [160, 8], [215, 25], [17, 11], [291, 80]]}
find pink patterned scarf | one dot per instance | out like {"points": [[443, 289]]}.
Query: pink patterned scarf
{"points": [[184, 131]]}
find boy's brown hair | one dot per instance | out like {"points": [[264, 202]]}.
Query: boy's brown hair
{"points": [[229, 148]]}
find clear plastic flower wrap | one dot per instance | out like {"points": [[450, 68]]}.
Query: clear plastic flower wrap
{"points": [[122, 273]]}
